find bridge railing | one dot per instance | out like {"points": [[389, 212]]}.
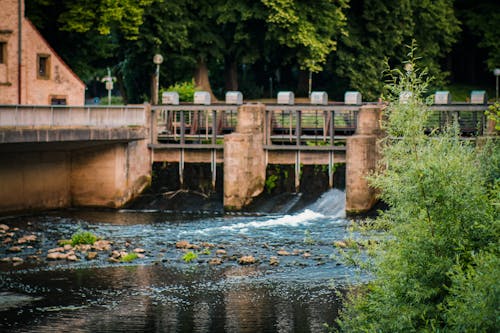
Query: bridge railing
{"points": [[294, 125], [285, 124], [198, 124], [72, 116], [309, 125], [470, 117]]}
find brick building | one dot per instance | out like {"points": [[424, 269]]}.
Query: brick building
{"points": [[31, 72]]}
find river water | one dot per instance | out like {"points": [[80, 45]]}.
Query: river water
{"points": [[294, 285]]}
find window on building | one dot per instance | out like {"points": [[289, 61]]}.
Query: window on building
{"points": [[43, 66], [58, 100], [3, 52]]}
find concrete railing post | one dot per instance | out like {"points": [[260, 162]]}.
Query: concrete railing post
{"points": [[244, 158], [361, 159]]}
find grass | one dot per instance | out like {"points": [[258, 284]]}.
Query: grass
{"points": [[190, 256], [83, 237], [129, 257]]}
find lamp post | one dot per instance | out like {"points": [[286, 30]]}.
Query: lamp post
{"points": [[496, 72], [310, 84], [108, 81], [157, 60]]}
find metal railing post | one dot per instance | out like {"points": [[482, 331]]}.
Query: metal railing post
{"points": [[183, 127]]}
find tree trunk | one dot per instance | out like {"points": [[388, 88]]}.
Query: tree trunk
{"points": [[201, 79], [303, 84], [231, 74]]}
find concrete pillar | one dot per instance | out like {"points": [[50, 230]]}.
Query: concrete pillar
{"points": [[244, 158], [109, 176], [361, 159]]}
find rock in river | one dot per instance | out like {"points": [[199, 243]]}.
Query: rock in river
{"points": [[247, 260]]}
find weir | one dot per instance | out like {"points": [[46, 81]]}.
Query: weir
{"points": [[62, 156]]}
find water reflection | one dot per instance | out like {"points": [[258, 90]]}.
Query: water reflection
{"points": [[159, 299]]}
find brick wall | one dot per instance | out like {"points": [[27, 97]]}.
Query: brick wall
{"points": [[58, 82]]}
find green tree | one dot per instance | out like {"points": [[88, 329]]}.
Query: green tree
{"points": [[103, 16], [242, 28], [378, 31], [308, 28], [442, 242], [482, 18]]}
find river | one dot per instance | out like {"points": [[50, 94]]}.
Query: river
{"points": [[293, 286]]}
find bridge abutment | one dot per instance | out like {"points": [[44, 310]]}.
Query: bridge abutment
{"points": [[106, 176], [109, 176]]}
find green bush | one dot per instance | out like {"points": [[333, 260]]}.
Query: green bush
{"points": [[190, 256], [441, 245], [184, 89], [129, 257], [493, 113], [271, 183], [83, 237]]}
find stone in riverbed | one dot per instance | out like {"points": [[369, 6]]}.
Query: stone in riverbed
{"points": [[139, 250], [101, 245], [26, 239], [16, 249], [247, 260], [273, 261], [57, 249], [215, 261], [115, 254], [283, 253], [4, 227], [55, 256], [91, 255], [72, 257], [221, 252], [83, 247], [184, 244]]}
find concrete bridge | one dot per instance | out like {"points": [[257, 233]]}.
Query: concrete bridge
{"points": [[60, 156]]}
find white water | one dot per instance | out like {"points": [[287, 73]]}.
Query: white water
{"points": [[331, 206]]}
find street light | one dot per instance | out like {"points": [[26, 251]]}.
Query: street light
{"points": [[496, 72], [157, 59], [108, 81]]}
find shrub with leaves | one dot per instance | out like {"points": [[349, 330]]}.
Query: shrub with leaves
{"points": [[83, 237], [184, 89], [437, 266], [129, 257], [190, 256]]}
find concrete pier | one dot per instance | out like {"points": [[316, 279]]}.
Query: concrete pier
{"points": [[361, 160], [244, 158]]}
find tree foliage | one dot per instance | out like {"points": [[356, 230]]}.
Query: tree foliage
{"points": [[437, 268], [309, 28], [482, 18], [349, 41], [103, 15], [377, 31]]}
